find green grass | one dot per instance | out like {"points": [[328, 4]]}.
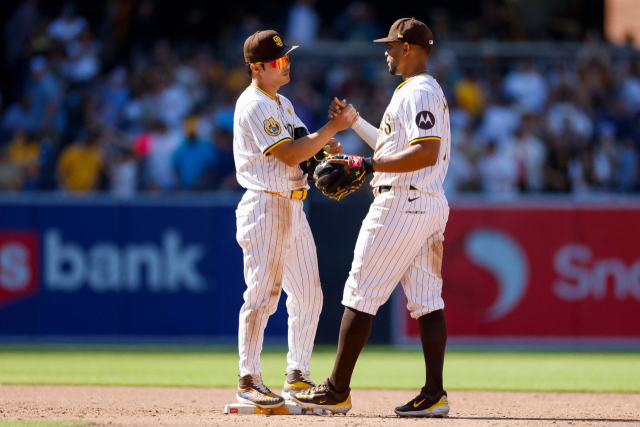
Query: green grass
{"points": [[44, 423], [378, 367]]}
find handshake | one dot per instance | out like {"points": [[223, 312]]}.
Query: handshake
{"points": [[339, 175], [342, 116]]}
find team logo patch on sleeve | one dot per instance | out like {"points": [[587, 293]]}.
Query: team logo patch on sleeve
{"points": [[272, 127], [425, 120]]}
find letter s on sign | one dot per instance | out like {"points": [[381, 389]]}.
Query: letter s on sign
{"points": [[15, 274], [566, 264]]}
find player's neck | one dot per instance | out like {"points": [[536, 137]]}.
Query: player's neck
{"points": [[270, 90], [411, 70]]}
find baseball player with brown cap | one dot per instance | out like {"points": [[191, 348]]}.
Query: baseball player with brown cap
{"points": [[269, 143], [401, 237]]}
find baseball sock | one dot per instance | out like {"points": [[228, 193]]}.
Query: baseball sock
{"points": [[354, 332], [433, 335]]}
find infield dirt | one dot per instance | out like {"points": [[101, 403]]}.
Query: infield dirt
{"points": [[158, 406]]}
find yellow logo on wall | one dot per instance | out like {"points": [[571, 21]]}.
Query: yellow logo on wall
{"points": [[278, 41], [272, 127]]}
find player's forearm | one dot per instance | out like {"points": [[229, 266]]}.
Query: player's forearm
{"points": [[296, 151], [366, 131], [416, 157]]}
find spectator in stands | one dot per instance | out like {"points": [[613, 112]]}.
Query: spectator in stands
{"points": [[556, 171], [112, 98], [498, 172], [45, 93], [18, 117], [171, 100], [82, 63], [468, 95], [25, 153], [160, 146], [499, 122], [224, 175], [123, 173], [80, 164], [529, 153], [628, 161], [68, 26], [303, 23], [11, 175], [566, 116], [527, 87], [630, 88], [194, 160]]}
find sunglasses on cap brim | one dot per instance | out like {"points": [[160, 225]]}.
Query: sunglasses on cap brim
{"points": [[277, 63]]}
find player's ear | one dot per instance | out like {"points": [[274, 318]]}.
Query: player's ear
{"points": [[406, 48]]}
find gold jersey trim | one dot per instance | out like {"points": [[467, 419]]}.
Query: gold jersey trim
{"points": [[408, 80], [267, 152], [426, 138], [277, 98]]}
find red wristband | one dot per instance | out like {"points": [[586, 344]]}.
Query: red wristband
{"points": [[355, 162]]}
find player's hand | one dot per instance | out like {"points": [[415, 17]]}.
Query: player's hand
{"points": [[345, 119], [336, 107], [343, 162], [335, 147]]}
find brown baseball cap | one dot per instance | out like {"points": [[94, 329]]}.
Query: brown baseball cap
{"points": [[265, 46], [409, 30]]}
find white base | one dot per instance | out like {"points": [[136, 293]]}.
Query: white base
{"points": [[287, 409]]}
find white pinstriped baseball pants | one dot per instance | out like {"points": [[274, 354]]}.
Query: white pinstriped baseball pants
{"points": [[279, 253], [400, 241]]}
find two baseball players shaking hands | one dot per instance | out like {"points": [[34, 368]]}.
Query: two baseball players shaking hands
{"points": [[400, 239]]}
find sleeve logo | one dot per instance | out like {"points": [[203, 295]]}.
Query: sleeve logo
{"points": [[278, 41], [272, 127], [425, 120]]}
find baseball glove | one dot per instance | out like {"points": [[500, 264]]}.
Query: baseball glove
{"points": [[309, 166], [334, 181]]}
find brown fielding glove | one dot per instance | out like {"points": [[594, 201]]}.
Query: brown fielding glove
{"points": [[333, 179]]}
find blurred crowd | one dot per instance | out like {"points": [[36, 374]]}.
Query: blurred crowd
{"points": [[79, 118]]}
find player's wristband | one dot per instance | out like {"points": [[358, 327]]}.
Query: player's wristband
{"points": [[357, 162], [368, 165]]}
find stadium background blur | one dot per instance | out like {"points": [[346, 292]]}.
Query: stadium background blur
{"points": [[131, 96], [118, 188]]}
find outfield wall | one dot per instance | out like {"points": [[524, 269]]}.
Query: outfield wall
{"points": [[169, 268], [541, 272]]}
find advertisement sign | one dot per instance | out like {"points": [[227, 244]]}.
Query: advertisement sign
{"points": [[539, 271], [122, 269]]}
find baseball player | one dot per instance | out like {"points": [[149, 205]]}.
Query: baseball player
{"points": [[401, 236], [269, 142]]}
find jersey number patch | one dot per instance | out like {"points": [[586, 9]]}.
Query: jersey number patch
{"points": [[425, 120], [386, 124], [272, 127]]}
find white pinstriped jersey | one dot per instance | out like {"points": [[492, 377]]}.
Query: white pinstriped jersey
{"points": [[417, 112], [261, 123]]}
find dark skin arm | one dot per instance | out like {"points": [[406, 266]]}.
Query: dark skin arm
{"points": [[421, 155]]}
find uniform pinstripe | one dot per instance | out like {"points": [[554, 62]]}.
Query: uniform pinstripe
{"points": [[273, 232], [401, 236]]}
